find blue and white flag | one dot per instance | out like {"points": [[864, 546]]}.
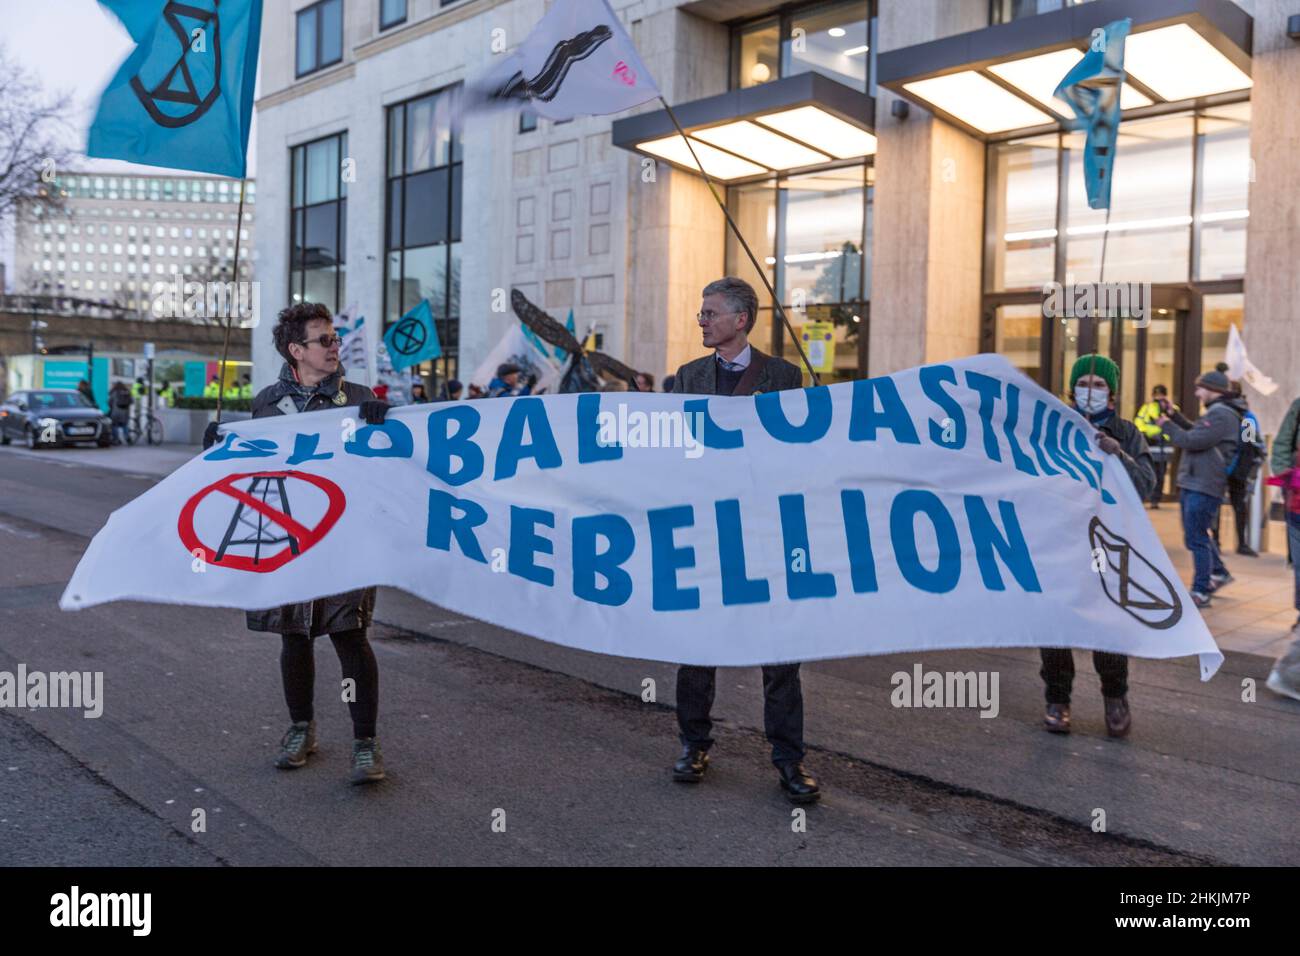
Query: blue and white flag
{"points": [[1092, 90], [578, 61], [184, 97], [413, 338]]}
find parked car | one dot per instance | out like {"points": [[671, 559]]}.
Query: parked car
{"points": [[49, 417]]}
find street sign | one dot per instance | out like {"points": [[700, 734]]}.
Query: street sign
{"points": [[819, 343], [148, 350]]}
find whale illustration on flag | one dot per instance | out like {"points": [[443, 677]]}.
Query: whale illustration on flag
{"points": [[577, 61]]}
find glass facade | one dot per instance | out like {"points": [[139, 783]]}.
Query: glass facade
{"points": [[423, 226], [318, 219], [1177, 223], [1004, 11], [833, 39], [812, 233]]}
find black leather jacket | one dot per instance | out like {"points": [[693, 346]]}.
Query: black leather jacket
{"points": [[328, 615]]}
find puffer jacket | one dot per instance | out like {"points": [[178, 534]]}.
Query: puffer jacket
{"points": [[352, 610], [1208, 445]]}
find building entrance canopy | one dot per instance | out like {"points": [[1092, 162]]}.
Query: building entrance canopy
{"points": [[999, 81], [800, 122]]}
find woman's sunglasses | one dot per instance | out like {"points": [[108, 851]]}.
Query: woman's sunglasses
{"points": [[326, 341]]}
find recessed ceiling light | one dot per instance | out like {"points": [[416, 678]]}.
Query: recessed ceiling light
{"points": [[836, 31], [978, 101], [854, 51], [718, 164], [1179, 64]]}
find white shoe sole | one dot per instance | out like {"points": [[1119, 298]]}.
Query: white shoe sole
{"points": [[1275, 684]]}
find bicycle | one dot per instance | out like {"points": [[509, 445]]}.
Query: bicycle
{"points": [[153, 424]]}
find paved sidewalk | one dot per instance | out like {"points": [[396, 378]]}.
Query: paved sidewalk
{"points": [[1256, 612]]}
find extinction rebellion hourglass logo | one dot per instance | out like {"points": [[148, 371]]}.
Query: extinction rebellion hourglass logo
{"points": [[178, 83]]}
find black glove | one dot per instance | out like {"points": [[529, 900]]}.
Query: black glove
{"points": [[210, 437], [373, 411]]}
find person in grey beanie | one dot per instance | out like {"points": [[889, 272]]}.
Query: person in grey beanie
{"points": [[1208, 446]]}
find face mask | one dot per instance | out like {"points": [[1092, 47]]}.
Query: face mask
{"points": [[1091, 400]]}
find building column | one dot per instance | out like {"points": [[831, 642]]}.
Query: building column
{"points": [[927, 237], [1272, 320], [676, 233]]}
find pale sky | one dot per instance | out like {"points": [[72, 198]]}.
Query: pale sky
{"points": [[75, 45]]}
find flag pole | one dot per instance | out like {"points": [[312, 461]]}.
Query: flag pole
{"points": [[776, 302], [225, 347]]}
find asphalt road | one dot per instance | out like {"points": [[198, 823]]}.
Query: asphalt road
{"points": [[481, 725]]}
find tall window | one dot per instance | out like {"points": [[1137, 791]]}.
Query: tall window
{"points": [[391, 13], [423, 228], [320, 36], [828, 38], [812, 233], [318, 222]]}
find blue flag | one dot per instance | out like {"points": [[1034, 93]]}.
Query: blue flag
{"points": [[1092, 90], [184, 97], [413, 338]]}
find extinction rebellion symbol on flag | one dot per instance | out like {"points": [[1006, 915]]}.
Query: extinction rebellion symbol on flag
{"points": [[258, 518], [177, 92], [1132, 582]]}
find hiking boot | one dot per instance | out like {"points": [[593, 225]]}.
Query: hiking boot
{"points": [[367, 762], [298, 741], [691, 765]]}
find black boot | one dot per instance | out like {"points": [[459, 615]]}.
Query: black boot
{"points": [[690, 766], [799, 785]]}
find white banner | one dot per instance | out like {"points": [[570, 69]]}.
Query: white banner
{"points": [[517, 349], [949, 506]]}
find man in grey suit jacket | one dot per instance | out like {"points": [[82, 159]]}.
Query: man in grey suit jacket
{"points": [[726, 317]]}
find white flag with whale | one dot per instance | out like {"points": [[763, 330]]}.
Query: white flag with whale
{"points": [[577, 61]]}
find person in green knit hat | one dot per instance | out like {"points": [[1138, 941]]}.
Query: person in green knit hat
{"points": [[1094, 384]]}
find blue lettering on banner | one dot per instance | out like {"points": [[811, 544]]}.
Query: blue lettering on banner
{"points": [[862, 563], [1053, 450], [736, 587], [588, 562], [1081, 449], [511, 450], [1021, 460], [902, 534], [794, 536], [589, 449], [931, 377], [666, 559], [990, 390], [1067, 431], [443, 447], [771, 415], [401, 444], [443, 525], [1035, 440], [525, 543], [715, 436], [304, 449], [1011, 546], [865, 420], [252, 448]]}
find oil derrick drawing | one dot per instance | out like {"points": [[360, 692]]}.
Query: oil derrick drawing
{"points": [[253, 523]]}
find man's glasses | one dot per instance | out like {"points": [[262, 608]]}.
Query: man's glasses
{"points": [[325, 341], [709, 315]]}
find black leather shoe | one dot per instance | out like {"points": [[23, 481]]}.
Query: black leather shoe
{"points": [[799, 785], [1056, 719], [1119, 720], [690, 766]]}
